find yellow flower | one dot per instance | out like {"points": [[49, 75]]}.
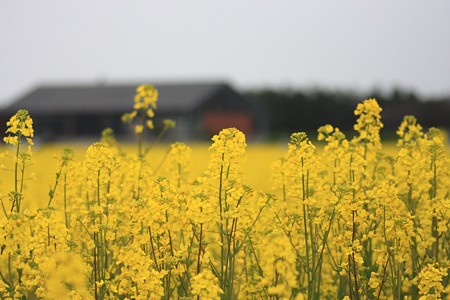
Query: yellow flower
{"points": [[430, 281], [99, 156], [127, 118], [369, 122], [168, 123], [146, 95], [138, 129], [206, 285], [150, 124], [409, 131], [19, 125], [150, 113]]}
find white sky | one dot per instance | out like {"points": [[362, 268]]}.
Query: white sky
{"points": [[356, 44]]}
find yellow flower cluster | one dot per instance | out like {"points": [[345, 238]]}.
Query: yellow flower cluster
{"points": [[144, 106], [206, 286], [369, 123], [146, 96], [344, 222], [20, 125], [430, 282]]}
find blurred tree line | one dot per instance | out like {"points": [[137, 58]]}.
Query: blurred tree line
{"points": [[290, 110]]}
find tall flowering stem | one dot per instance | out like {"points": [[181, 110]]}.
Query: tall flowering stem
{"points": [[143, 112], [19, 126], [228, 150]]}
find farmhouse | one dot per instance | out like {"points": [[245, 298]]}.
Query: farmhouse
{"points": [[83, 111]]}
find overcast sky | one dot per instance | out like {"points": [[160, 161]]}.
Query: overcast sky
{"points": [[338, 44]]}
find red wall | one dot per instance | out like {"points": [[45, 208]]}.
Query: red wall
{"points": [[215, 121]]}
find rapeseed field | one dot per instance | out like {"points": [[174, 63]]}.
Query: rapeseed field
{"points": [[347, 220]]}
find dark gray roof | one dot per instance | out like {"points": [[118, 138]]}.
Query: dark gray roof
{"points": [[175, 98]]}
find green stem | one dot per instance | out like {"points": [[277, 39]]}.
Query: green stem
{"points": [[199, 262], [353, 256], [153, 250], [19, 200], [16, 173], [65, 201], [434, 226], [11, 282], [139, 138], [350, 276], [52, 191], [4, 209], [305, 228], [95, 270], [384, 276], [222, 250], [156, 141]]}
